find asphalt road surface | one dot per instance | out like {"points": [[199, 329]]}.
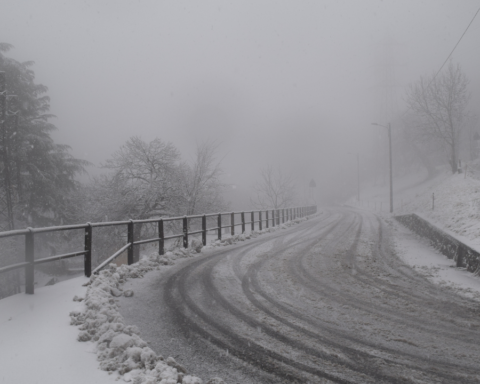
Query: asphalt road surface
{"points": [[325, 301]]}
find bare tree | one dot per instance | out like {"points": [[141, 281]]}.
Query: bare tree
{"points": [[438, 104], [146, 176], [275, 189], [144, 182], [201, 182]]}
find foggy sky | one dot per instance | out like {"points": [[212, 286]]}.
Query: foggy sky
{"points": [[295, 83]]}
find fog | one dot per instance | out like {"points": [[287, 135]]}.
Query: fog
{"points": [[292, 83]]}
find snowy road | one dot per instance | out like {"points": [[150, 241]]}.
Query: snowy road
{"points": [[324, 301]]}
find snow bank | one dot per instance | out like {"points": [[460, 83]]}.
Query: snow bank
{"points": [[119, 347], [246, 236]]}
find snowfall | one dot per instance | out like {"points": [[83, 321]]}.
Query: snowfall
{"points": [[72, 332]]}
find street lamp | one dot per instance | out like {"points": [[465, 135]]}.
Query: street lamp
{"points": [[390, 154]]}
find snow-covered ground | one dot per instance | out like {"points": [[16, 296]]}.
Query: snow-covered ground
{"points": [[38, 344], [417, 253], [450, 202]]}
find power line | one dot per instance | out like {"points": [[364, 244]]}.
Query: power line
{"points": [[458, 42]]}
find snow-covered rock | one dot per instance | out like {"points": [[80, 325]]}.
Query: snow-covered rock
{"points": [[171, 362], [196, 245], [122, 341], [215, 380], [116, 292], [192, 380]]}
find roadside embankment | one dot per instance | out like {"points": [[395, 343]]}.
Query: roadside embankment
{"points": [[449, 245]]}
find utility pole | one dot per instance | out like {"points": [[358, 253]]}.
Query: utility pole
{"points": [[389, 128], [391, 170]]}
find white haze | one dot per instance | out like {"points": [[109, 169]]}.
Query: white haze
{"points": [[295, 83]]}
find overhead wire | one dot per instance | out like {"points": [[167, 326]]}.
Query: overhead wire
{"points": [[458, 42]]}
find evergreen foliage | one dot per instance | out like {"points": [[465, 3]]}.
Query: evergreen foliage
{"points": [[36, 173]]}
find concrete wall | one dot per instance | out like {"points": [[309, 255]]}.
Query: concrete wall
{"points": [[442, 241]]}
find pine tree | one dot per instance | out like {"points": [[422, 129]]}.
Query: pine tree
{"points": [[36, 173]]}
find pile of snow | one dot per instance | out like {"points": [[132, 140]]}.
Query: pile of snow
{"points": [[119, 347], [253, 234]]}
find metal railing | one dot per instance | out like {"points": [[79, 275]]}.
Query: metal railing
{"points": [[273, 217]]}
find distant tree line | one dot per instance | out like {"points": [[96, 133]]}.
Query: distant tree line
{"points": [[142, 180], [40, 187]]}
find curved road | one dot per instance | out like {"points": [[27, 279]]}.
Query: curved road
{"points": [[326, 301]]}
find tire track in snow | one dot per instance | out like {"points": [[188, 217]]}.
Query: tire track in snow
{"points": [[298, 343]]}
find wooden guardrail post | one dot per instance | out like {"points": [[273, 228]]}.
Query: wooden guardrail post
{"points": [[232, 223], [185, 232], [266, 219], [87, 258], [260, 220], [204, 230], [460, 253], [29, 258], [283, 215], [242, 215], [219, 226], [161, 236], [130, 239], [252, 219]]}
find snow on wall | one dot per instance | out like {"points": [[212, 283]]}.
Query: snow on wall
{"points": [[445, 243]]}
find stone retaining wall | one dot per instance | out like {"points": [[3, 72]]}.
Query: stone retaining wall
{"points": [[451, 247]]}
